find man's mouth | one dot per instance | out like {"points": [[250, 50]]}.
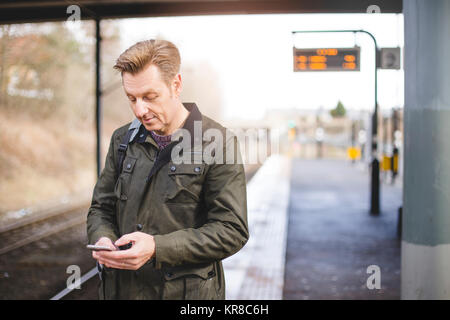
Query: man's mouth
{"points": [[149, 118]]}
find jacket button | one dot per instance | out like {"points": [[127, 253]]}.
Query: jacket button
{"points": [[123, 197], [197, 169], [139, 227], [129, 166], [173, 168], [169, 274], [211, 274]]}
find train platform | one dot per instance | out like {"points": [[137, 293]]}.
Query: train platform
{"points": [[312, 236], [257, 270], [332, 239]]}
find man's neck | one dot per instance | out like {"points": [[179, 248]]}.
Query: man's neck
{"points": [[178, 122]]}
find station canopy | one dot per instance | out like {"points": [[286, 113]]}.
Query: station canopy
{"points": [[21, 11]]}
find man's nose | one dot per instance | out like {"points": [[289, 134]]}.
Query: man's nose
{"points": [[141, 108]]}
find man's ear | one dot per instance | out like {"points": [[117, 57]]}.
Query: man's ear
{"points": [[177, 85]]}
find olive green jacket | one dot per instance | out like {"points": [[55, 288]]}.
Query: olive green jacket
{"points": [[197, 213]]}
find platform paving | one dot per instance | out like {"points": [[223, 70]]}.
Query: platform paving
{"points": [[332, 239], [257, 270]]}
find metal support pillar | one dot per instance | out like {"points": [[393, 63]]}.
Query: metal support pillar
{"points": [[98, 92]]}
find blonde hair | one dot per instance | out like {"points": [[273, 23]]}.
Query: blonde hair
{"points": [[162, 53]]}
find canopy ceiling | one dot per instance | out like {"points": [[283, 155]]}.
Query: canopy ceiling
{"points": [[20, 11]]}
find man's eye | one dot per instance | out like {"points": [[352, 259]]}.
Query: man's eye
{"points": [[150, 98], [131, 99]]}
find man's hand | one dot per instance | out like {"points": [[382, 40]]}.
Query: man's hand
{"points": [[143, 249], [103, 241]]}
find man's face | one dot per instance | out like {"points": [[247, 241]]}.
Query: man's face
{"points": [[152, 101]]}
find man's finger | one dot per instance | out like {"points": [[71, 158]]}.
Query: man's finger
{"points": [[118, 255], [104, 241], [119, 264], [125, 239], [129, 262]]}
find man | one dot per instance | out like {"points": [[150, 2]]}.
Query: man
{"points": [[181, 219]]}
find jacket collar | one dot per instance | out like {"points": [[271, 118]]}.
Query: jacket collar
{"points": [[164, 156]]}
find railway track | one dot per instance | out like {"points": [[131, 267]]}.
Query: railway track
{"points": [[41, 225]]}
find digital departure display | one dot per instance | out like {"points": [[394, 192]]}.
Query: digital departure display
{"points": [[327, 59]]}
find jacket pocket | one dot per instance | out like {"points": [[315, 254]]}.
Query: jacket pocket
{"points": [[185, 183], [122, 186], [124, 180], [128, 164], [190, 283]]}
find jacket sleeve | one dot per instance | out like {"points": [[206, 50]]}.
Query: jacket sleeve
{"points": [[101, 219], [225, 231]]}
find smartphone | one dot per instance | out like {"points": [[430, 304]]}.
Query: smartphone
{"points": [[98, 248]]}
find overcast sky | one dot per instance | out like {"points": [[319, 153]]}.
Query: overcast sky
{"points": [[252, 54]]}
